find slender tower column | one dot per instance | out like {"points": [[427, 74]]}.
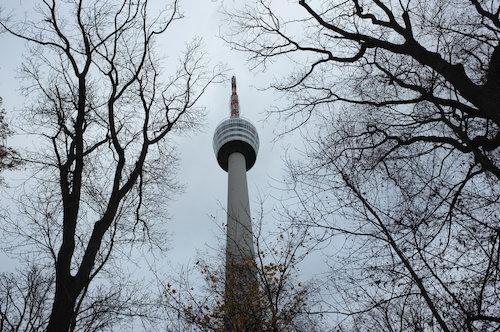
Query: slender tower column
{"points": [[239, 244], [236, 144]]}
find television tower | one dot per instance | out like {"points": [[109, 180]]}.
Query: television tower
{"points": [[236, 144]]}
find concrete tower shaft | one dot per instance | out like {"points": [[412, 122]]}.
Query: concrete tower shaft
{"points": [[239, 244]]}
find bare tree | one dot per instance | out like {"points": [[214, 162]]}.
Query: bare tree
{"points": [[438, 61], [105, 110], [27, 296], [9, 158], [398, 101], [277, 301], [25, 300]]}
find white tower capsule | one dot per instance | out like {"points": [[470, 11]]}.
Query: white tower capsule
{"points": [[236, 144]]}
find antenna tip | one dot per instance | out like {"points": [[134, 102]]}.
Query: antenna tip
{"points": [[235, 112]]}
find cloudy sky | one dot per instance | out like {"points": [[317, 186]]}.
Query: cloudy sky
{"points": [[193, 213]]}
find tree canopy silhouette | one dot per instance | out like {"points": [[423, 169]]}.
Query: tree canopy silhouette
{"points": [[105, 111], [397, 101]]}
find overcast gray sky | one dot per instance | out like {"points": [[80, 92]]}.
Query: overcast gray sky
{"points": [[191, 225]]}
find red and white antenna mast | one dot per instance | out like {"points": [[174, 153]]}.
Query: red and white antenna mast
{"points": [[235, 105]]}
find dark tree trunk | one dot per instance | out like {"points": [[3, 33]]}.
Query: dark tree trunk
{"points": [[63, 307]]}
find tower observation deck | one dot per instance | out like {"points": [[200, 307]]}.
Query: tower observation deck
{"points": [[236, 144], [235, 135]]}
